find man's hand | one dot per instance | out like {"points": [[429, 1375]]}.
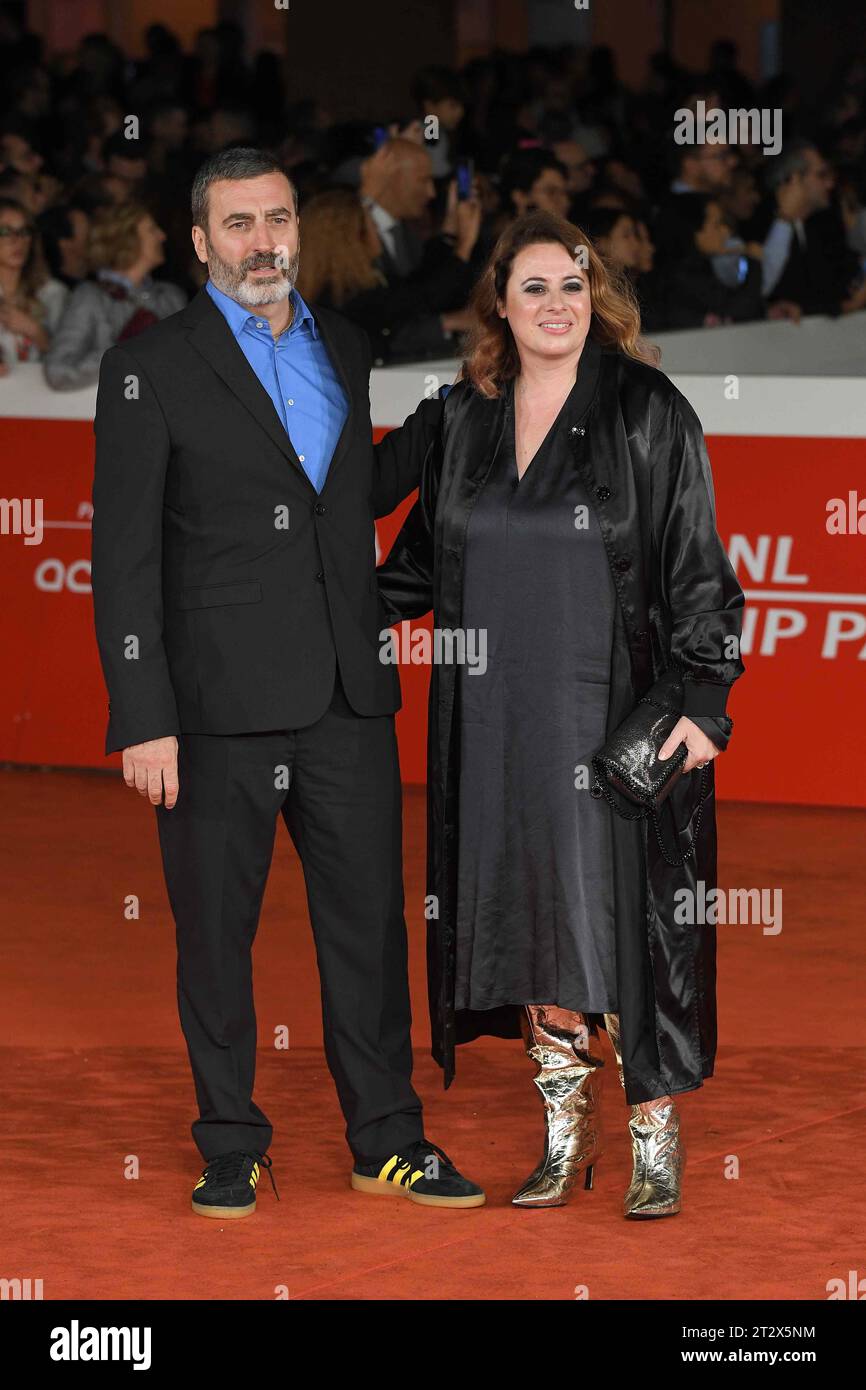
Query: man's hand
{"points": [[17, 321], [462, 219], [701, 749], [151, 767], [856, 300], [784, 309]]}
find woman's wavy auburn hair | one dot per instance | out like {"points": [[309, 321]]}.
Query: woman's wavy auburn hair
{"points": [[491, 356], [336, 259]]}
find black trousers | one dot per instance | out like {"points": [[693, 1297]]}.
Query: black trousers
{"points": [[337, 786]]}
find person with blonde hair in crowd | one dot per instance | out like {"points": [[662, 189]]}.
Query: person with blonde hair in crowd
{"points": [[118, 301]]}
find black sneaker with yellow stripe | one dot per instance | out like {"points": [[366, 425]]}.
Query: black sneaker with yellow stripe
{"points": [[227, 1187], [422, 1172]]}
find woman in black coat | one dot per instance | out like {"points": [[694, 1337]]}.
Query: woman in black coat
{"points": [[565, 538]]}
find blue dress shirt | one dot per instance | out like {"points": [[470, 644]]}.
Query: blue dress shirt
{"points": [[297, 374]]}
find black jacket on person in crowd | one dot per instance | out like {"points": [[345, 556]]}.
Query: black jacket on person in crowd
{"points": [[224, 585], [689, 289], [818, 276], [639, 449], [401, 317]]}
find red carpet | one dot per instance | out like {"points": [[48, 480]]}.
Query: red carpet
{"points": [[96, 1076]]}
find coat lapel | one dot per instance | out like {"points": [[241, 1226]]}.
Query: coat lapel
{"points": [[611, 487], [328, 328], [211, 336]]}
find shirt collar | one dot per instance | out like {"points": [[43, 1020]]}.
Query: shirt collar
{"points": [[116, 277], [237, 315], [383, 219]]}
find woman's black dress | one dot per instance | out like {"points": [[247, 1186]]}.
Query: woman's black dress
{"points": [[535, 909]]}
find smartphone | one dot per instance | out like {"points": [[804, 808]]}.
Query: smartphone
{"points": [[465, 176]]}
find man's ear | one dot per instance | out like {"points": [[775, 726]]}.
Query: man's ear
{"points": [[199, 241]]}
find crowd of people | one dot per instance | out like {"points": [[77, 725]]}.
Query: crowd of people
{"points": [[98, 152]]}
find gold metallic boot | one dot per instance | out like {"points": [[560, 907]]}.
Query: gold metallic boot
{"points": [[658, 1153], [568, 1080]]}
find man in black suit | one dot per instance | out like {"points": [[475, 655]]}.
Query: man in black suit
{"points": [[238, 617], [396, 185], [806, 259]]}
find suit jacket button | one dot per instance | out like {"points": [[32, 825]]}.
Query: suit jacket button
{"points": [[319, 509], [577, 429], [602, 493], [321, 576], [640, 635]]}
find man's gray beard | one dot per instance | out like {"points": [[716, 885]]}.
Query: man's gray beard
{"points": [[231, 279]]}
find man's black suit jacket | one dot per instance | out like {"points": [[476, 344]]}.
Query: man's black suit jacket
{"points": [[818, 276], [224, 585]]}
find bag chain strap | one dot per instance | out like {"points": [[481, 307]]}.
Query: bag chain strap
{"points": [[645, 811]]}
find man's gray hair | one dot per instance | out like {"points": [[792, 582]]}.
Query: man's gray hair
{"points": [[791, 161], [240, 162]]}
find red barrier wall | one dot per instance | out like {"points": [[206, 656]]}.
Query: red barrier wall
{"points": [[797, 711]]}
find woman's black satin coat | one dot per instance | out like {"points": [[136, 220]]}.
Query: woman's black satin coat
{"points": [[640, 451]]}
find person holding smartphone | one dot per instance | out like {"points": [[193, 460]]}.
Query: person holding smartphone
{"points": [[396, 188]]}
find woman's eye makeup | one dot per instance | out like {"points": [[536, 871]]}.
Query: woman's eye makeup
{"points": [[570, 287]]}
